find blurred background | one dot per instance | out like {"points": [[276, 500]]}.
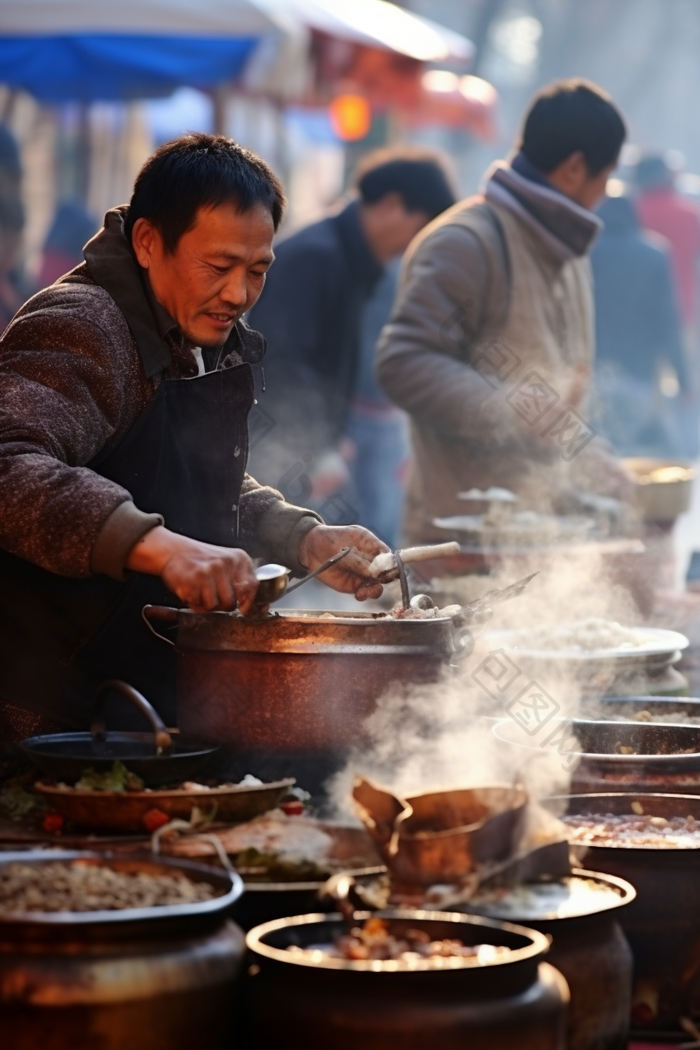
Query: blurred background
{"points": [[88, 89]]}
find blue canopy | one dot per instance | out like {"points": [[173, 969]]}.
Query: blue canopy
{"points": [[61, 50]]}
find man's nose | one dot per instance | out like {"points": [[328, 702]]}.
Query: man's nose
{"points": [[235, 289]]}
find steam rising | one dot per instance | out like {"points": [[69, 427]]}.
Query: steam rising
{"points": [[431, 737]]}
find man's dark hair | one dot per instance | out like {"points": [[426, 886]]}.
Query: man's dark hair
{"points": [[419, 176], [200, 171], [571, 116]]}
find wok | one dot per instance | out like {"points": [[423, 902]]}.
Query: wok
{"points": [[156, 757]]}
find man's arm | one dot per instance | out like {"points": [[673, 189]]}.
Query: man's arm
{"points": [[63, 396], [423, 360]]}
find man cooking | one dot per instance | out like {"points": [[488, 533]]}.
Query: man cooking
{"points": [[124, 398]]}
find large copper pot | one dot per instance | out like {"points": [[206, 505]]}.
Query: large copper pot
{"points": [[297, 682], [315, 1004]]}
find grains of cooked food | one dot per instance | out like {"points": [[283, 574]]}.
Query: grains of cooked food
{"points": [[633, 830], [587, 635], [375, 941], [86, 885]]}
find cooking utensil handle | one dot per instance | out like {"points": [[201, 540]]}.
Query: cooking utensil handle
{"points": [[163, 740], [403, 579], [322, 568], [162, 613]]}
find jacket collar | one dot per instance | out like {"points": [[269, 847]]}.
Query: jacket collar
{"points": [[565, 228], [112, 265]]}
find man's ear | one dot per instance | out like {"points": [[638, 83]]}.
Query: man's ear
{"points": [[143, 240]]}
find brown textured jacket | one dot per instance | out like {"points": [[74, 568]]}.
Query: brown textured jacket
{"points": [[73, 381]]}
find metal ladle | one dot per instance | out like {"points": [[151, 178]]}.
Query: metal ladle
{"points": [[274, 579]]}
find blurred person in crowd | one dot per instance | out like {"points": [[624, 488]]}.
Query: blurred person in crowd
{"points": [[490, 345], [125, 390], [10, 163], [311, 313], [377, 445], [12, 288], [71, 229], [638, 330], [663, 210]]}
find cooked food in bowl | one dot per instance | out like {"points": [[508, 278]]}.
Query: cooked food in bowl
{"points": [[591, 634], [87, 885], [374, 940], [632, 830]]}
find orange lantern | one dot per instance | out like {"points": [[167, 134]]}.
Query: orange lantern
{"points": [[351, 117]]}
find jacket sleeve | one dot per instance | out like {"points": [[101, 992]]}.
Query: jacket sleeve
{"points": [[424, 359], [271, 528], [62, 399]]}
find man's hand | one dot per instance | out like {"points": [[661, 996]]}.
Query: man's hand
{"points": [[351, 575], [203, 576]]}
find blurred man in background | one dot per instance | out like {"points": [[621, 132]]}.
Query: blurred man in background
{"points": [[13, 290], [665, 211], [71, 229], [311, 316], [490, 346], [13, 286], [638, 331]]}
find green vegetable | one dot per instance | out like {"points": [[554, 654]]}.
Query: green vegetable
{"points": [[118, 778], [18, 798]]}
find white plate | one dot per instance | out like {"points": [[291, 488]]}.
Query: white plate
{"points": [[658, 642]]}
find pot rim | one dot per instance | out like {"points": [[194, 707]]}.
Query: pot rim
{"points": [[57, 919], [687, 854], [681, 760], [539, 943]]}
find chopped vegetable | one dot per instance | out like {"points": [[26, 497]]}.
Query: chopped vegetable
{"points": [[53, 822], [154, 819], [292, 809], [118, 778], [19, 800]]}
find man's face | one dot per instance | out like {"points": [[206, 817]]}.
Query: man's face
{"points": [[574, 178], [216, 272], [592, 188]]}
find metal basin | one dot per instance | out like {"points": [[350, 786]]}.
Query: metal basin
{"points": [[663, 924], [663, 755]]}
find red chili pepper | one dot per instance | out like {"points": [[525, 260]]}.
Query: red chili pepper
{"points": [[53, 822], [154, 819], [293, 809]]}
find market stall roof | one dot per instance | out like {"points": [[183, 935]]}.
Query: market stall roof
{"points": [[60, 50], [377, 23]]}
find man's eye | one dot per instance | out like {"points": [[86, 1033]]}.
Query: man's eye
{"points": [[220, 269], [259, 273]]}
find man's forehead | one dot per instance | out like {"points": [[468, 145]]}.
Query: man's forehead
{"points": [[227, 230]]}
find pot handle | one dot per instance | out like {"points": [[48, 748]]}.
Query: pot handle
{"points": [[162, 613], [163, 740], [462, 641]]}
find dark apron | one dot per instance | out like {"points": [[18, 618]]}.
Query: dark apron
{"points": [[184, 458]]}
